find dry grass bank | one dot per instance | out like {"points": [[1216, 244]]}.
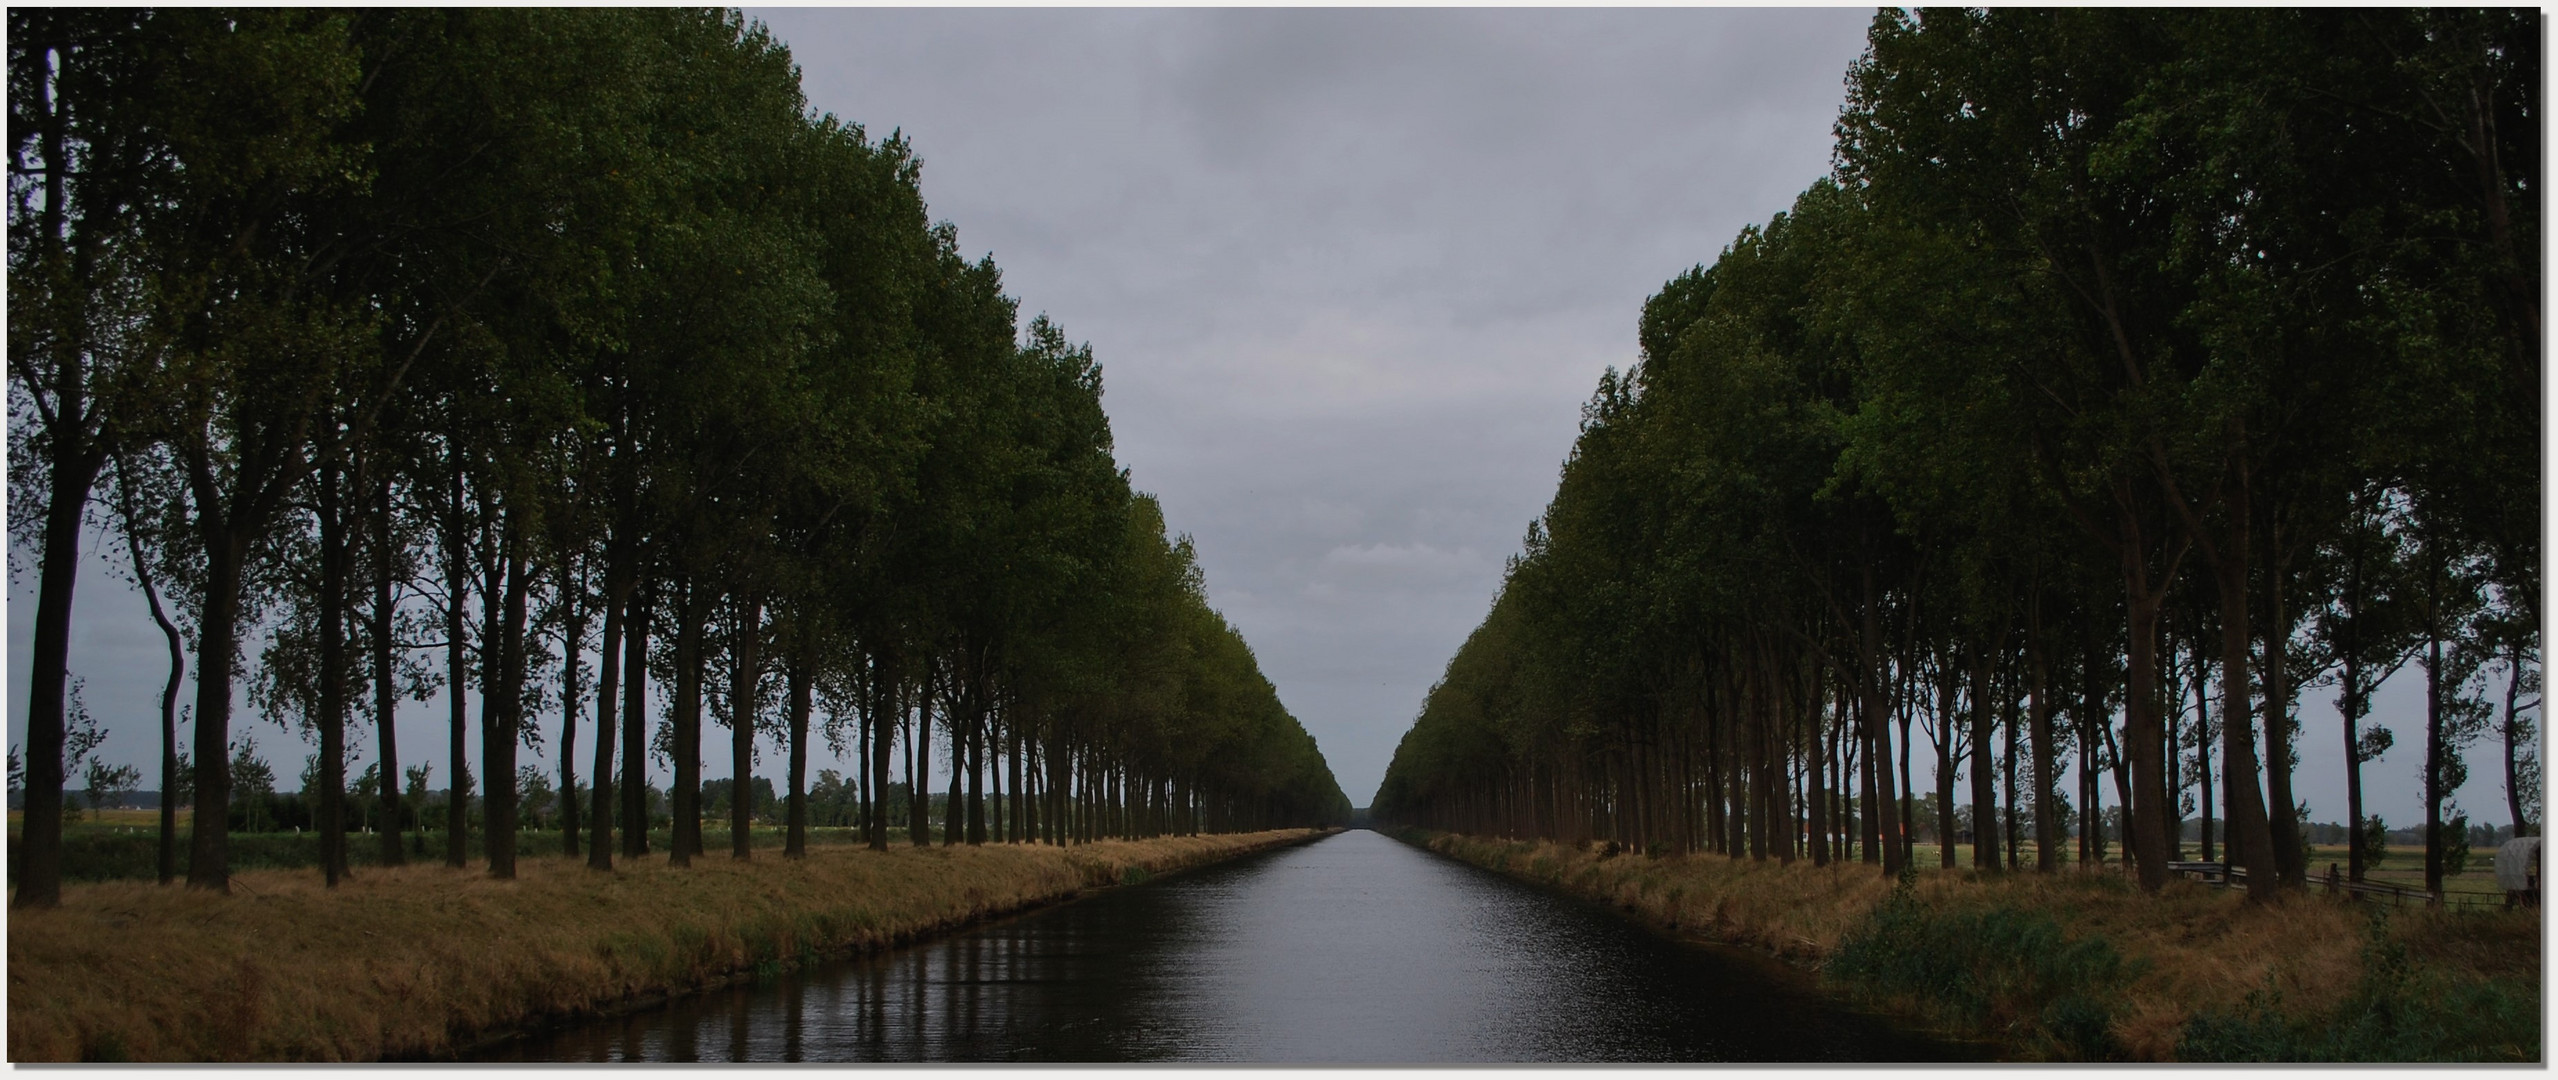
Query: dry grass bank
{"points": [[421, 960], [2100, 970]]}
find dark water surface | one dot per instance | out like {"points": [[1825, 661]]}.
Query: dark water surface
{"points": [[1353, 949]]}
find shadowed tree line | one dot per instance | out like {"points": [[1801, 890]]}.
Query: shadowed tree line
{"points": [[555, 360], [2133, 374]]}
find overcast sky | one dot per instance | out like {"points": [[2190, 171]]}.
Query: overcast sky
{"points": [[1350, 275]]}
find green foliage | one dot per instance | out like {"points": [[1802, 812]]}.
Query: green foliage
{"points": [[2373, 838], [551, 310], [2397, 1012], [1998, 970], [2453, 836], [107, 785], [1952, 442], [252, 784]]}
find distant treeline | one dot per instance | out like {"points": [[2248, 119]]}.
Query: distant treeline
{"points": [[552, 358], [2134, 373]]}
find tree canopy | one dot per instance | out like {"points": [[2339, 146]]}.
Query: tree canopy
{"points": [[2123, 352], [449, 349]]}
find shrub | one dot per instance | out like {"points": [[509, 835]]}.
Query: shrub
{"points": [[1994, 969]]}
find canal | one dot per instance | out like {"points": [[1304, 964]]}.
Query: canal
{"points": [[1352, 949]]}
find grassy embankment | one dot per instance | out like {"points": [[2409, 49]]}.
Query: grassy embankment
{"points": [[2084, 967], [422, 961]]}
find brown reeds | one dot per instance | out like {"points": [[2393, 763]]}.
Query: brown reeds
{"points": [[2189, 949], [418, 961]]}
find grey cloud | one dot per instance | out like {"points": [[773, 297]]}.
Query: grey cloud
{"points": [[1350, 273]]}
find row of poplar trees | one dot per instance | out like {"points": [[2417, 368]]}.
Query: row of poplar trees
{"points": [[2133, 374], [446, 351]]}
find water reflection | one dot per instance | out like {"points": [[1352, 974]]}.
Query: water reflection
{"points": [[1355, 949]]}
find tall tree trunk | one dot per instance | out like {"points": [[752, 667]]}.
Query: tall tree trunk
{"points": [[385, 692], [217, 647], [2513, 732], [977, 750], [504, 704], [881, 723], [919, 766], [2251, 838], [2434, 792], [599, 841], [795, 830], [2039, 709], [1945, 689], [1870, 805], [74, 452], [335, 549], [1818, 797], [1985, 854], [2093, 726], [2290, 855], [2143, 727], [1904, 810], [2015, 842], [572, 648], [634, 785], [1017, 807], [1878, 713], [2203, 746], [2172, 692], [168, 853], [745, 683], [685, 801], [457, 678]]}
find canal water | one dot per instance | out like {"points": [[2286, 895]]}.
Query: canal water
{"points": [[1352, 949]]}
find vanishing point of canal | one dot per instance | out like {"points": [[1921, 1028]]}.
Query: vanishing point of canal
{"points": [[1352, 949]]}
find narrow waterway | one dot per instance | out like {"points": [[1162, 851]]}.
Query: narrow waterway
{"points": [[1353, 949]]}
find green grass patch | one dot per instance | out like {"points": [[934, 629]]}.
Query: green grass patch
{"points": [[2399, 1011], [1999, 971]]}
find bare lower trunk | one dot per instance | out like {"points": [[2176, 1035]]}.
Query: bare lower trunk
{"points": [[685, 801], [142, 576], [634, 783], [334, 552], [745, 682], [880, 723], [2143, 727], [2290, 856], [599, 840], [919, 767], [504, 708], [2251, 838], [1985, 853], [572, 646], [216, 647], [2512, 729], [795, 832], [456, 680], [1945, 767], [385, 691], [2039, 709]]}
